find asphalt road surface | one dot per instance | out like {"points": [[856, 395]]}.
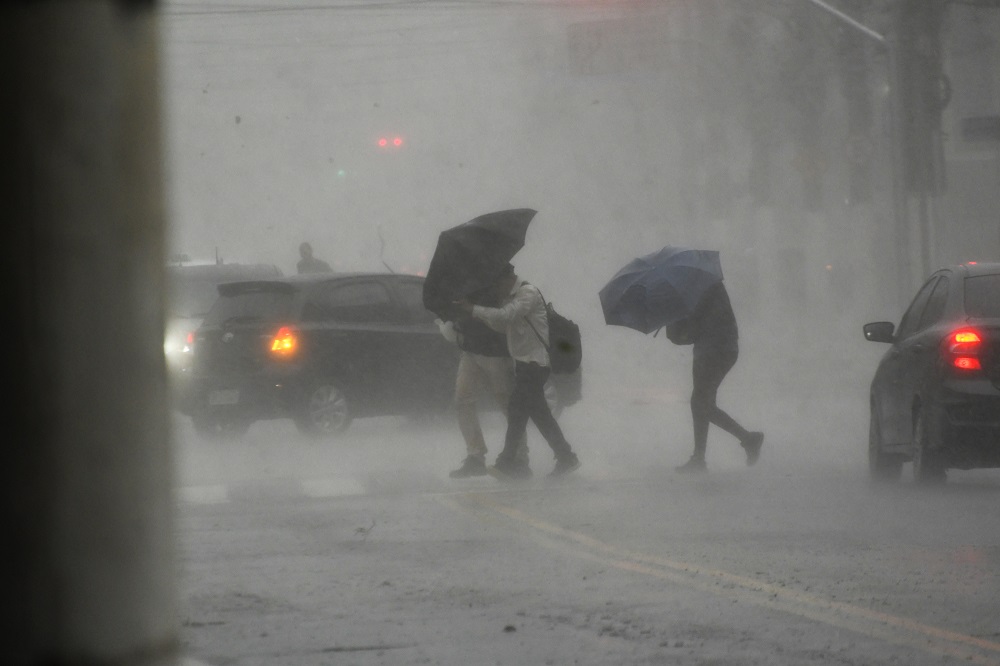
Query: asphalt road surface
{"points": [[363, 551]]}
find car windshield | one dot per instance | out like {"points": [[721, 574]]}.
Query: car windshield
{"points": [[248, 306], [982, 296]]}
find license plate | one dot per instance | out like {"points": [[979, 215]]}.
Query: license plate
{"points": [[224, 397]]}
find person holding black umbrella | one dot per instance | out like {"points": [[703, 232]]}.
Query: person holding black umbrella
{"points": [[466, 262], [712, 330], [522, 317], [484, 364]]}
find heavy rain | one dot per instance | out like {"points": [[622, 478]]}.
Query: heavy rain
{"points": [[834, 152]]}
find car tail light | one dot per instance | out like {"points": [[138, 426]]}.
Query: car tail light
{"points": [[962, 349], [285, 342], [188, 346]]}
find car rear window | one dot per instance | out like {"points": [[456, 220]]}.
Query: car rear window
{"points": [[982, 296], [361, 301], [257, 305]]}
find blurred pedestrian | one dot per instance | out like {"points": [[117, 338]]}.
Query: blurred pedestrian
{"points": [[484, 365], [309, 263], [522, 317], [712, 330]]}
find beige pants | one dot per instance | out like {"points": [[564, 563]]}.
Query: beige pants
{"points": [[476, 375]]}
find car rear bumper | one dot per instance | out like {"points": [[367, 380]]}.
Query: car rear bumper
{"points": [[256, 397], [971, 425]]}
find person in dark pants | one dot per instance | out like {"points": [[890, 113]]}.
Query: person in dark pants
{"points": [[522, 313], [713, 331]]}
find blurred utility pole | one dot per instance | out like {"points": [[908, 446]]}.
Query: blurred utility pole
{"points": [[922, 91], [88, 506], [919, 93]]}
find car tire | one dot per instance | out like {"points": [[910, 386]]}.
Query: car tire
{"points": [[219, 425], [882, 466], [324, 410], [928, 466]]}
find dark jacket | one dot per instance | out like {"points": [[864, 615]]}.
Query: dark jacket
{"points": [[711, 327], [476, 337]]}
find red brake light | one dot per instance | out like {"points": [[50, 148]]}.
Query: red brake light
{"points": [[963, 348], [285, 341], [967, 363]]}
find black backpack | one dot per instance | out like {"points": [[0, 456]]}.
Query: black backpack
{"points": [[565, 350]]}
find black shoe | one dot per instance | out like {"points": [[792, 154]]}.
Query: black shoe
{"points": [[565, 465], [695, 464], [471, 466], [752, 445], [506, 470]]}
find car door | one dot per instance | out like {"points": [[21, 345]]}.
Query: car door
{"points": [[912, 358], [924, 350], [354, 324], [428, 361]]}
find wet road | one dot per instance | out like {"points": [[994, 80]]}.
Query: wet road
{"points": [[365, 552]]}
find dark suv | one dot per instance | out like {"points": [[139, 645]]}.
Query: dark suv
{"points": [[320, 349], [935, 397]]}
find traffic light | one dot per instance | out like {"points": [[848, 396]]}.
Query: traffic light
{"points": [[389, 142]]}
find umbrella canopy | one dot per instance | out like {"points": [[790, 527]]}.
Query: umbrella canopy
{"points": [[658, 289], [472, 256]]}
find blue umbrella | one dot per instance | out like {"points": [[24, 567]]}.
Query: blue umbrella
{"points": [[658, 289]]}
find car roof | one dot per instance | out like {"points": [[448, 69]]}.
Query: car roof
{"points": [[308, 278], [225, 271], [290, 283]]}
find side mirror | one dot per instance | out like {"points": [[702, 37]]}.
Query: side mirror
{"points": [[880, 331]]}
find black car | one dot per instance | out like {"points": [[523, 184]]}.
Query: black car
{"points": [[935, 397], [320, 349], [192, 287]]}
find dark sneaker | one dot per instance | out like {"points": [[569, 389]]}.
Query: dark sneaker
{"points": [[506, 470], [471, 466], [565, 465], [521, 455], [695, 464], [752, 445]]}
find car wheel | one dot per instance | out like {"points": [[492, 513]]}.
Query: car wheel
{"points": [[928, 467], [324, 411], [219, 425], [882, 466]]}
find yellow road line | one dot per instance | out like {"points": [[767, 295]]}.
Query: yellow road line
{"points": [[884, 626]]}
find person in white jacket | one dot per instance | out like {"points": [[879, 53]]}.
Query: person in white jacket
{"points": [[521, 314]]}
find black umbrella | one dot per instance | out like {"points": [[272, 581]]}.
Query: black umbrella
{"points": [[471, 256], [659, 288]]}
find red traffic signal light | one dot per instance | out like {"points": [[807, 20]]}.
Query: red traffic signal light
{"points": [[390, 142]]}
